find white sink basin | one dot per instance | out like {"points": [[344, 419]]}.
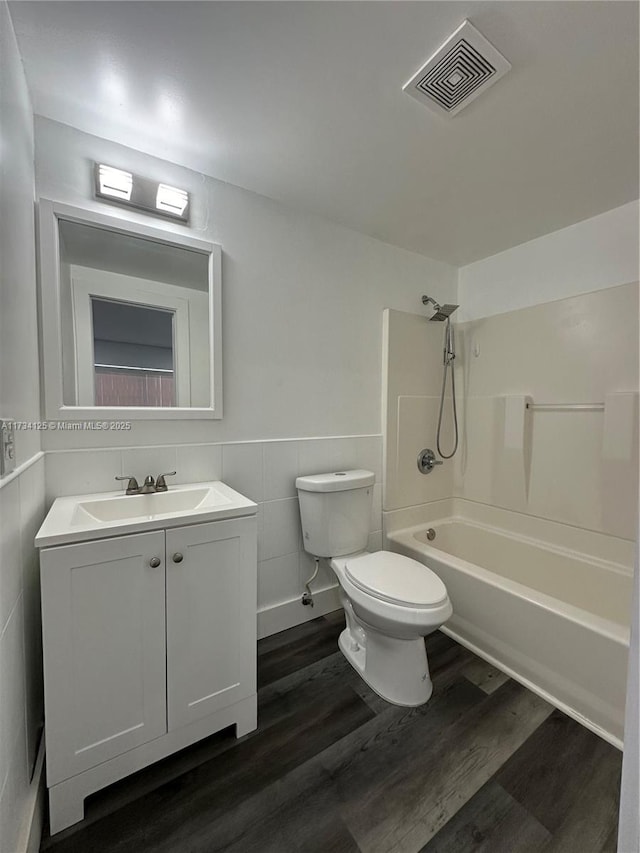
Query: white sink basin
{"points": [[145, 506], [83, 517]]}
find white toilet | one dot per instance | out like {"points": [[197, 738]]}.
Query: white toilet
{"points": [[391, 602]]}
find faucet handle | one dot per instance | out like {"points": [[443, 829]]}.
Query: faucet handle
{"points": [[161, 485], [132, 486], [427, 461]]}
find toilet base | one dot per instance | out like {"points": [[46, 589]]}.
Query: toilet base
{"points": [[397, 670]]}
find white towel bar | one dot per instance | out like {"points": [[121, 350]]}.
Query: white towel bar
{"points": [[567, 407]]}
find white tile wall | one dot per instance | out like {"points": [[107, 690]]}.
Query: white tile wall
{"points": [[13, 795], [263, 471], [369, 455], [277, 577], [32, 511], [281, 533], [198, 464], [280, 469], [314, 458], [13, 687], [82, 472], [307, 567], [376, 507], [375, 541], [11, 574], [141, 461], [242, 469], [22, 502]]}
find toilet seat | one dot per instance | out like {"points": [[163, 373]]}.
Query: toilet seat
{"points": [[396, 579]]}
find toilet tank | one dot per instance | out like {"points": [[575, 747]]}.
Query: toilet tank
{"points": [[335, 510]]}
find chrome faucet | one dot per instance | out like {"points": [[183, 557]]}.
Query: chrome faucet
{"points": [[150, 486]]}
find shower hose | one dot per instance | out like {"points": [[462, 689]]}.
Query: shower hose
{"points": [[449, 355]]}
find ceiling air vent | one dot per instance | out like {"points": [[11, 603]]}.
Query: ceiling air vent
{"points": [[460, 70]]}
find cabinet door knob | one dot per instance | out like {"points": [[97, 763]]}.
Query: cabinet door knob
{"points": [[177, 557], [154, 562]]}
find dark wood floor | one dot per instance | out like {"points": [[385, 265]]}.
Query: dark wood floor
{"points": [[484, 766]]}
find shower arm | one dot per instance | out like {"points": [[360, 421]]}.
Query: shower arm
{"points": [[426, 300]]}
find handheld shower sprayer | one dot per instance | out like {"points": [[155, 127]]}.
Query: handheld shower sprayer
{"points": [[444, 312]]}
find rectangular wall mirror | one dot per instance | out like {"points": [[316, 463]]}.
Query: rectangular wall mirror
{"points": [[131, 319]]}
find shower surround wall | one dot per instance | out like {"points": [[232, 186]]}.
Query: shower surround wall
{"points": [[575, 467], [302, 309], [575, 341], [578, 467]]}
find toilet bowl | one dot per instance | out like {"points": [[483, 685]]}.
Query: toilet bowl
{"points": [[391, 602]]}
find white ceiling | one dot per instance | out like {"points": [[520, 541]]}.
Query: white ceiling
{"points": [[303, 102]]}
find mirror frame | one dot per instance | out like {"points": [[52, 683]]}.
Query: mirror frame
{"points": [[50, 214]]}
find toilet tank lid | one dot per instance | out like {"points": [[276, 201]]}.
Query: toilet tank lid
{"points": [[339, 481]]}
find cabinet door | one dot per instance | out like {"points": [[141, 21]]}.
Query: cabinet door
{"points": [[211, 617], [103, 616]]}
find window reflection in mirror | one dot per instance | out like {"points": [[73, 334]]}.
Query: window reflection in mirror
{"points": [[133, 354], [134, 320]]}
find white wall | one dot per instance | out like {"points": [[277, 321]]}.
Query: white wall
{"points": [[22, 495], [19, 389], [598, 253], [302, 301]]}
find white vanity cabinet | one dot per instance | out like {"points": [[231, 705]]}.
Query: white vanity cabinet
{"points": [[103, 611], [211, 618], [149, 645]]}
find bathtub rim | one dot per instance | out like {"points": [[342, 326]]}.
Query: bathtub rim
{"points": [[591, 541], [613, 631]]}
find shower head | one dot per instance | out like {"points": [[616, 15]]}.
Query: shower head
{"points": [[442, 312]]}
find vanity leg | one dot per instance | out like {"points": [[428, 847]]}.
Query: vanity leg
{"points": [[247, 716], [66, 807]]}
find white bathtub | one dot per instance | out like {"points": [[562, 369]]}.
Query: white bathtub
{"points": [[552, 617]]}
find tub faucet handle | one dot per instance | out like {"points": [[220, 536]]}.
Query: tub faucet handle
{"points": [[427, 461]]}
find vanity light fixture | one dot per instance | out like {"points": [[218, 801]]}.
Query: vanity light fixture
{"points": [[171, 199], [121, 187], [114, 183]]}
